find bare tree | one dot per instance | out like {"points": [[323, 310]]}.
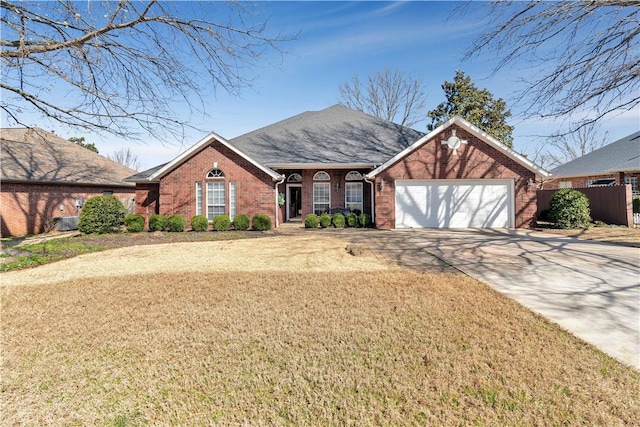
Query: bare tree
{"points": [[120, 67], [390, 95], [125, 157], [584, 55], [576, 144]]}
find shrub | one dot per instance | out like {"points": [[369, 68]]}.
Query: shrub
{"points": [[311, 221], [261, 222], [102, 214], [569, 208], [199, 223], [325, 220], [134, 223], [365, 220], [157, 222], [352, 219], [176, 223], [636, 204], [221, 223], [338, 220], [241, 222]]}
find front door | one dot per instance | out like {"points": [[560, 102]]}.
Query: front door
{"points": [[294, 201]]}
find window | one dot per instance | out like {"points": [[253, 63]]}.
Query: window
{"points": [[198, 198], [353, 176], [321, 197], [232, 200], [633, 180], [215, 199], [107, 193], [353, 196], [565, 184], [321, 176], [215, 173], [294, 177], [601, 182]]}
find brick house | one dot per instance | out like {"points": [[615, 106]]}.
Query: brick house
{"points": [[44, 177], [342, 159], [614, 164]]}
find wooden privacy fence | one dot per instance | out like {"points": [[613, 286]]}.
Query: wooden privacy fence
{"points": [[611, 204]]}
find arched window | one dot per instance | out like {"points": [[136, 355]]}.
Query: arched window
{"points": [[215, 173], [294, 177], [321, 176], [353, 176]]}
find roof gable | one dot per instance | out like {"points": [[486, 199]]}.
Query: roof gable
{"points": [[156, 173], [475, 131], [335, 136], [622, 155], [35, 155]]}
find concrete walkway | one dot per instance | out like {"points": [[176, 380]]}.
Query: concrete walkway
{"points": [[592, 289]]}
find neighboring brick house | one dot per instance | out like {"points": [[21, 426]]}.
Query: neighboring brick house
{"points": [[614, 164], [455, 176], [44, 177]]}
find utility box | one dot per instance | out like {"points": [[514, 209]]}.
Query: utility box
{"points": [[66, 223]]}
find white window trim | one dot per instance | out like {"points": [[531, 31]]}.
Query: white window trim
{"points": [[321, 176], [198, 198], [317, 185], [353, 176], [361, 188], [232, 200], [211, 206]]}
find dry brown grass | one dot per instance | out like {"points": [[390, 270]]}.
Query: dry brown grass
{"points": [[619, 235], [298, 347]]}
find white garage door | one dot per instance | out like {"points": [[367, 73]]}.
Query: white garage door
{"points": [[454, 204]]}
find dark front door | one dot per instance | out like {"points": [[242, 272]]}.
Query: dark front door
{"points": [[295, 202]]}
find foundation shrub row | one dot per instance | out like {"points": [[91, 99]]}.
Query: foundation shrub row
{"points": [[338, 220]]}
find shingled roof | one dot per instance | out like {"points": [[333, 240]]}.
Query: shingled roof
{"points": [[622, 155], [334, 136], [38, 156]]}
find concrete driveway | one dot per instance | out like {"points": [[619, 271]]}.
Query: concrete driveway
{"points": [[592, 289]]}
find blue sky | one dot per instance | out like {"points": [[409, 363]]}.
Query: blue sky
{"points": [[336, 41]]}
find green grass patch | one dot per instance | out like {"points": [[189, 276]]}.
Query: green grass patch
{"points": [[48, 251]]}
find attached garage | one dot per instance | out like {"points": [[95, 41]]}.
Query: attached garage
{"points": [[447, 203]]}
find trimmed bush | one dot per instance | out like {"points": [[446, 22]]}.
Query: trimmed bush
{"points": [[241, 222], [261, 222], [338, 220], [352, 219], [134, 223], [636, 204], [102, 214], [311, 221], [157, 222], [221, 223], [325, 220], [569, 208], [199, 223], [365, 220], [176, 223]]}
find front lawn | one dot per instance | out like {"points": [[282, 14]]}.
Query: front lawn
{"points": [[394, 347]]}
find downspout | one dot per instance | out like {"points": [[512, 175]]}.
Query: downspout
{"points": [[278, 181], [373, 190]]}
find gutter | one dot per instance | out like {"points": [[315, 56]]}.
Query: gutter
{"points": [[278, 181]]}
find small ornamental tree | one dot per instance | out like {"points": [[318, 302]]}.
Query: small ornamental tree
{"points": [[569, 208], [199, 223], [102, 214]]}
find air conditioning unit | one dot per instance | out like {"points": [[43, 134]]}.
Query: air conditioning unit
{"points": [[66, 223]]}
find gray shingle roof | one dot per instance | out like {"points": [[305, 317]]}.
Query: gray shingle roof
{"points": [[335, 135], [619, 156], [35, 155]]}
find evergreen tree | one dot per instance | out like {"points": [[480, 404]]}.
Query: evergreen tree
{"points": [[478, 106]]}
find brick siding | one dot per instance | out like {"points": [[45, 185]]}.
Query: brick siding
{"points": [[30, 208], [475, 160]]}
